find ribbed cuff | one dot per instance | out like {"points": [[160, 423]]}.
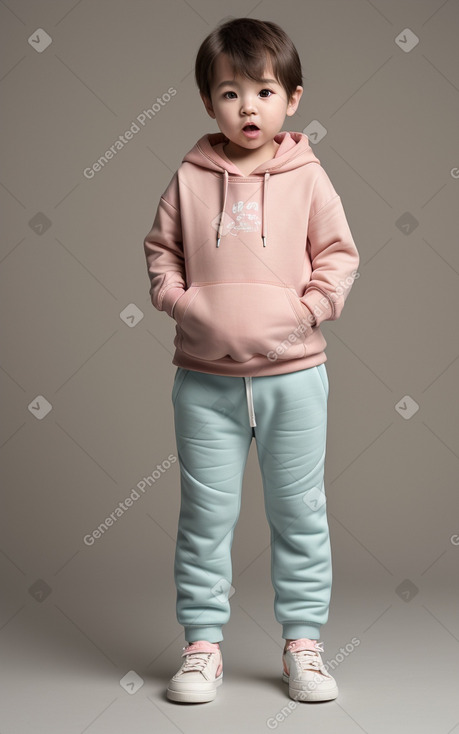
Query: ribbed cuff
{"points": [[297, 630], [194, 632], [170, 298], [318, 304]]}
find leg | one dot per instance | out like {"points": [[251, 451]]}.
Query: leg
{"points": [[291, 413], [213, 440]]}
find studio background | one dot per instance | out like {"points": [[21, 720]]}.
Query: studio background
{"points": [[88, 633]]}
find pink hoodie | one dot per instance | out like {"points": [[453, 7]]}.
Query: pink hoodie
{"points": [[250, 266]]}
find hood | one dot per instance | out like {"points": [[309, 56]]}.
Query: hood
{"points": [[294, 151]]}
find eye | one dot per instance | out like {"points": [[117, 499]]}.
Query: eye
{"points": [[268, 93], [225, 96]]}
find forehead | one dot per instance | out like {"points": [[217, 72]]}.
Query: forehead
{"points": [[223, 71]]}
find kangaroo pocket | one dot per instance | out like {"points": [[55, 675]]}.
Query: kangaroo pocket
{"points": [[241, 320]]}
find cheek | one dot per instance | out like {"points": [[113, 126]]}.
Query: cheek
{"points": [[225, 114], [280, 109]]}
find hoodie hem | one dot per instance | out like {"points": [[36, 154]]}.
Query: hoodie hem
{"points": [[255, 367]]}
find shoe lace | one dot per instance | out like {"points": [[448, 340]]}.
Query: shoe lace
{"points": [[309, 659], [196, 661]]}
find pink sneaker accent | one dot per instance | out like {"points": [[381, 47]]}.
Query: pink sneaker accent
{"points": [[305, 644], [201, 646]]}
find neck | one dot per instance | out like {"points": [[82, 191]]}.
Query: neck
{"points": [[250, 158]]}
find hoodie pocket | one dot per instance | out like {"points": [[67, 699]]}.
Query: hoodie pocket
{"points": [[241, 320]]}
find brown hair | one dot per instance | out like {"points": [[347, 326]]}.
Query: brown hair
{"points": [[249, 43]]}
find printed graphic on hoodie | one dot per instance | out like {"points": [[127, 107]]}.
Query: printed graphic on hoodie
{"points": [[246, 217]]}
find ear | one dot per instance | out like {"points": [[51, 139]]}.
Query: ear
{"points": [[208, 105], [294, 101]]}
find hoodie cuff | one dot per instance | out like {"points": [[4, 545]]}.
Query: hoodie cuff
{"points": [[170, 298], [319, 305]]}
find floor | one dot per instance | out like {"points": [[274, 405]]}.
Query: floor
{"points": [[398, 670]]}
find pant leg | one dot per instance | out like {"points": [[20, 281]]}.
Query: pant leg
{"points": [[291, 416], [213, 438]]}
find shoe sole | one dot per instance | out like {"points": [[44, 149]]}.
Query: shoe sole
{"points": [[298, 694], [194, 696]]}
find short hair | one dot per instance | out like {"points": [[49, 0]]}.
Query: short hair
{"points": [[249, 43]]}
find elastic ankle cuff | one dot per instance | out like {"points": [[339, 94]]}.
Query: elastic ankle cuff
{"points": [[193, 633], [295, 631]]}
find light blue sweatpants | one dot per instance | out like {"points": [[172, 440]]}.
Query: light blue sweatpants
{"points": [[216, 418]]}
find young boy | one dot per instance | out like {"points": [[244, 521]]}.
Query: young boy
{"points": [[249, 252]]}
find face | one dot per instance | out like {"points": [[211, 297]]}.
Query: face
{"points": [[238, 102]]}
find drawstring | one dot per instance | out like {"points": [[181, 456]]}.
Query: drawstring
{"points": [[225, 193], [263, 208], [264, 227]]}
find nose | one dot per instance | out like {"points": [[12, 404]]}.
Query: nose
{"points": [[248, 106]]}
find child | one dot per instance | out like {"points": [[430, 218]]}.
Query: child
{"points": [[249, 252]]}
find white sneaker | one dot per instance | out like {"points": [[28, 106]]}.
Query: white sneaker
{"points": [[305, 673], [200, 675]]}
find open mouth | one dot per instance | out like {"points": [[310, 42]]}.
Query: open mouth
{"points": [[250, 127]]}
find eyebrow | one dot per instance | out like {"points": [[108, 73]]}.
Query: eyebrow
{"points": [[233, 83]]}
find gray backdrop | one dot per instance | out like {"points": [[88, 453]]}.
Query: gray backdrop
{"points": [[88, 636]]}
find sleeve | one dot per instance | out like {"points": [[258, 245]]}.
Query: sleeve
{"points": [[163, 248], [333, 253]]}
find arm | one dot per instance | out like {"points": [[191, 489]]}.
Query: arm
{"points": [[164, 253], [333, 254]]}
